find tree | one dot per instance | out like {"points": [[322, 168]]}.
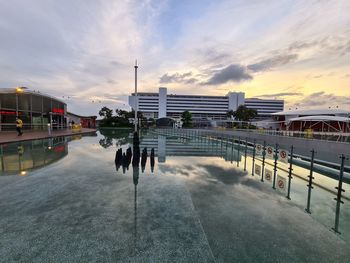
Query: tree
{"points": [[230, 114], [186, 118], [105, 112], [244, 114]]}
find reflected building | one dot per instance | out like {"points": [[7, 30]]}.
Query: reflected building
{"points": [[19, 158], [174, 146]]}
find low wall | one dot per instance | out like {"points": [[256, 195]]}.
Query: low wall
{"points": [[325, 150]]}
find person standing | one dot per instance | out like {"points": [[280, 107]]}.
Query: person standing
{"points": [[19, 125]]}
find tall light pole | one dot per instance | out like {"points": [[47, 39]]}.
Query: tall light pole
{"points": [[136, 120]]}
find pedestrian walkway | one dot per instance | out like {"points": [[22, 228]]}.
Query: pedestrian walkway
{"points": [[6, 137]]}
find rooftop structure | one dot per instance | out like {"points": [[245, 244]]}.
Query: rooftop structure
{"points": [[322, 120]]}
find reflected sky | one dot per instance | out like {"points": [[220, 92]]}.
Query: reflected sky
{"points": [[196, 202]]}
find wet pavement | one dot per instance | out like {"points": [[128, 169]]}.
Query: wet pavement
{"points": [[190, 209], [11, 136]]}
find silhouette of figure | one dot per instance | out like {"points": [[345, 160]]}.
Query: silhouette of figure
{"points": [[124, 162], [143, 159], [152, 160], [136, 154], [128, 157], [118, 158]]}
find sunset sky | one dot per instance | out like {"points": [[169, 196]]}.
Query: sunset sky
{"points": [[85, 49]]}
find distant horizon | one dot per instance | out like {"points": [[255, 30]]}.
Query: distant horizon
{"points": [[84, 52]]}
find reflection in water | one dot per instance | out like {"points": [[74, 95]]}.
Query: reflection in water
{"points": [[19, 158], [152, 160], [121, 137], [135, 176], [143, 159], [234, 150], [106, 142]]}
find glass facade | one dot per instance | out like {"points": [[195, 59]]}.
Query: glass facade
{"points": [[35, 110]]}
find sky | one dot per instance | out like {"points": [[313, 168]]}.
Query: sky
{"points": [[83, 51]]}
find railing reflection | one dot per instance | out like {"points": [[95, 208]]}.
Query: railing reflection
{"points": [[274, 164]]}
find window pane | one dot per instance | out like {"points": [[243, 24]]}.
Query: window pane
{"points": [[47, 105], [24, 102], [8, 101], [37, 103]]}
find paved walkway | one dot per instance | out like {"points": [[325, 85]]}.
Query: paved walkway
{"points": [[6, 137]]}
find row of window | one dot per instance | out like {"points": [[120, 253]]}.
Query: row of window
{"points": [[29, 102]]}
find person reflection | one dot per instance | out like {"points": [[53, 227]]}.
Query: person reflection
{"points": [[124, 162], [118, 159], [128, 157], [143, 159], [152, 160]]}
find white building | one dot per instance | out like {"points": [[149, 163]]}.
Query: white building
{"points": [[159, 105]]}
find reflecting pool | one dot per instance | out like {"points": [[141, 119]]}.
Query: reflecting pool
{"points": [[197, 200]]}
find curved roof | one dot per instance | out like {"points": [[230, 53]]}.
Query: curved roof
{"points": [[28, 91], [321, 118], [312, 112]]}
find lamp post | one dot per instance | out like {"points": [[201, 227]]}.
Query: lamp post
{"points": [[136, 120]]}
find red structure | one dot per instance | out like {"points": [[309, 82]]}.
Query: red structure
{"points": [[88, 122], [319, 120], [85, 121]]}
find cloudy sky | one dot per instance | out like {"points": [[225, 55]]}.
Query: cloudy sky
{"points": [[296, 50]]}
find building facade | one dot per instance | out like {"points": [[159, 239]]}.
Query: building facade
{"points": [[35, 109], [318, 120], [160, 105], [85, 121]]}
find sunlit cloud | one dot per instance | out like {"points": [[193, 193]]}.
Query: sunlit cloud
{"points": [[85, 50]]}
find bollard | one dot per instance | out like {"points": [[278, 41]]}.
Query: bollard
{"points": [[339, 194], [245, 154], [275, 167], [307, 209], [49, 128], [290, 171], [263, 162], [253, 157]]}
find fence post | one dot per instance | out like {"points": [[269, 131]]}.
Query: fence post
{"points": [[232, 150], [275, 167], [253, 157], [338, 198], [239, 149], [307, 209], [290, 171], [263, 162], [245, 154]]}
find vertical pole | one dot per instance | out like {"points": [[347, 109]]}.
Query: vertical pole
{"points": [[136, 102], [263, 162], [290, 171], [238, 152], [253, 157], [221, 140], [307, 209], [232, 150], [245, 154], [16, 104], [338, 198], [275, 167]]}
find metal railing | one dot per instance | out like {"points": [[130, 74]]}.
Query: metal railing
{"points": [[278, 166]]}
